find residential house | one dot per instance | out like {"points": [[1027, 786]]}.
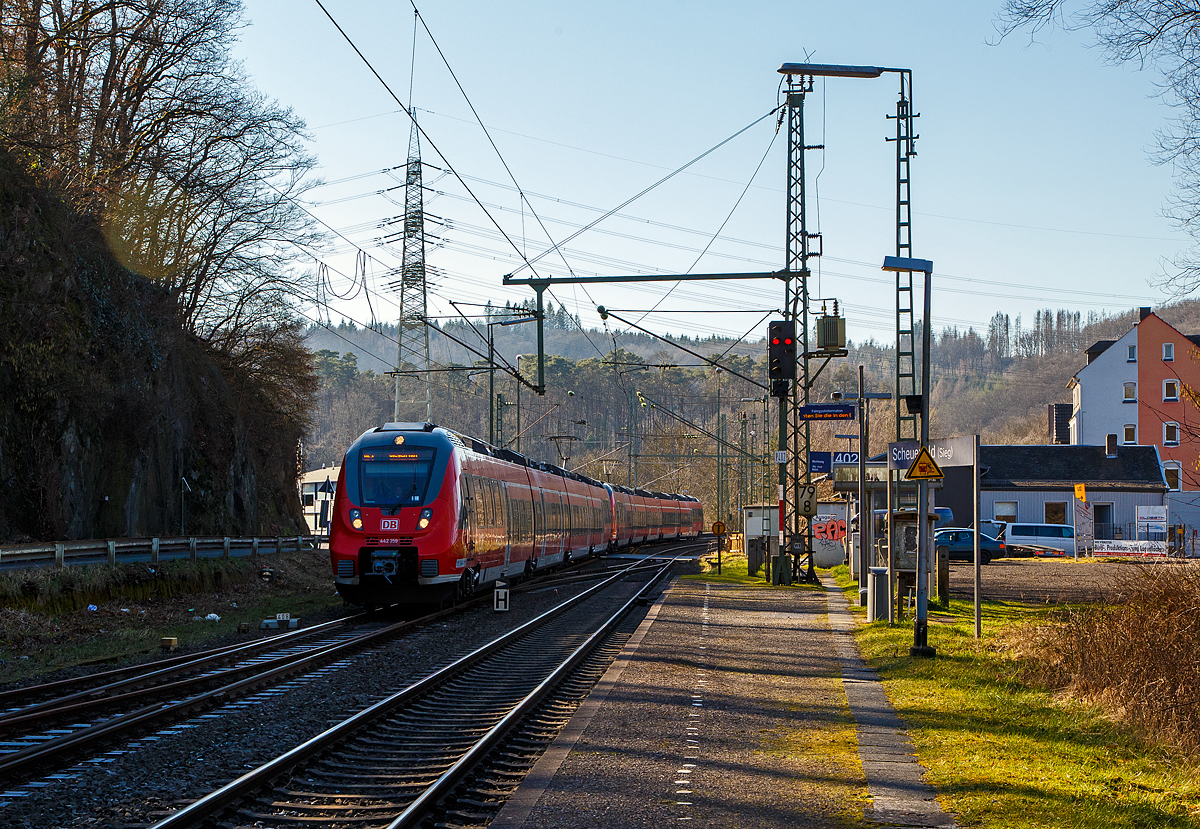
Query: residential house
{"points": [[316, 497], [1141, 390]]}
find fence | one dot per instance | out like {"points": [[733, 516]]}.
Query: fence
{"points": [[146, 550]]}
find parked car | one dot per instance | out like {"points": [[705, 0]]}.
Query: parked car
{"points": [[960, 543], [1042, 539]]}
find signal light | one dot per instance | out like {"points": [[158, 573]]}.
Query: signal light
{"points": [[781, 350]]}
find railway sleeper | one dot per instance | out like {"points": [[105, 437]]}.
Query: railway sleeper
{"points": [[373, 782], [375, 762], [321, 820], [400, 753], [438, 738], [391, 807], [290, 795]]}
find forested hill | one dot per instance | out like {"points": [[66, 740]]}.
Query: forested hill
{"points": [[565, 336], [996, 382]]}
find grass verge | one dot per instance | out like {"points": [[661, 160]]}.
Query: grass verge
{"points": [[734, 571], [1005, 753]]}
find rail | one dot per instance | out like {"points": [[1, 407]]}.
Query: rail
{"points": [[500, 715], [146, 550]]}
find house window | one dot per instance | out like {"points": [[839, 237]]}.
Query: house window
{"points": [[1170, 434], [1171, 475], [1131, 392], [1130, 434], [1168, 352], [1005, 511], [1056, 512], [1170, 390], [1132, 358]]}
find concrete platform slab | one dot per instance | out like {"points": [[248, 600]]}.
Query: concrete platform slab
{"points": [[732, 705]]}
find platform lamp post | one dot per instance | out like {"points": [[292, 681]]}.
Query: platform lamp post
{"points": [[920, 645]]}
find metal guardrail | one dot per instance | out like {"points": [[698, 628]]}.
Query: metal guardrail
{"points": [[148, 550]]}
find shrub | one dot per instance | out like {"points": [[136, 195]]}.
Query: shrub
{"points": [[1139, 656]]}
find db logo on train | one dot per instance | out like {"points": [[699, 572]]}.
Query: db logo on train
{"points": [[833, 529]]}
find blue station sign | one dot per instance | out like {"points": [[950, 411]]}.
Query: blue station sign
{"points": [[820, 463]]}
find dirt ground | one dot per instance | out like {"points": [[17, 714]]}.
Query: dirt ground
{"points": [[1043, 581]]}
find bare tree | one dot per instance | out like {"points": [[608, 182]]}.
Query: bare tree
{"points": [[136, 110], [1164, 34]]}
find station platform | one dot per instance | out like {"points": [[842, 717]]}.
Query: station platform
{"points": [[732, 706]]}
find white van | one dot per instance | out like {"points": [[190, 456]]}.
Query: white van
{"points": [[1043, 539]]}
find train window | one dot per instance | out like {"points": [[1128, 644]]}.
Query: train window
{"points": [[394, 478]]}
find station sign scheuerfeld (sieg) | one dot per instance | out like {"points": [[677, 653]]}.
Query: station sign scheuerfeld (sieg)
{"points": [[945, 452]]}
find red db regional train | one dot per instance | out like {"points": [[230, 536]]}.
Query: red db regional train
{"points": [[424, 514]]}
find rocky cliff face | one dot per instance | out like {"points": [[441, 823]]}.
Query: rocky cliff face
{"points": [[106, 405]]}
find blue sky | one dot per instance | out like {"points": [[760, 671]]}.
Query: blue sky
{"points": [[1032, 188]]}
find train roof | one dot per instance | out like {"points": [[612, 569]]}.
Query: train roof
{"points": [[482, 448]]}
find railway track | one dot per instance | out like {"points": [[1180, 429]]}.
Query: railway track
{"points": [[447, 749], [70, 718]]}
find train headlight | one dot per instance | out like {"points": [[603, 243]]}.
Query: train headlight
{"points": [[426, 517], [356, 519]]}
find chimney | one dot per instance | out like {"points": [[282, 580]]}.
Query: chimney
{"points": [[1145, 312]]}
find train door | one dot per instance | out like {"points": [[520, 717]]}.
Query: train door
{"points": [[539, 525], [560, 523], [507, 539], [564, 523], [467, 514]]}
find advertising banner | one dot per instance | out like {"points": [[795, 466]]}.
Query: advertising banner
{"points": [[1146, 549]]}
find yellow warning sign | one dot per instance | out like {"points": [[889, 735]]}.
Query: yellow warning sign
{"points": [[924, 467], [718, 528], [1080, 492]]}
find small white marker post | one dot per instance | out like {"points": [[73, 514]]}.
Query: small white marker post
{"points": [[500, 597]]}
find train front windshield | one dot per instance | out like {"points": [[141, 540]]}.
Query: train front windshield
{"points": [[394, 478]]}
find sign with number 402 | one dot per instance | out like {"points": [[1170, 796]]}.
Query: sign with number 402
{"points": [[808, 500]]}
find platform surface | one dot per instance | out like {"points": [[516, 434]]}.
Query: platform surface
{"points": [[732, 706]]}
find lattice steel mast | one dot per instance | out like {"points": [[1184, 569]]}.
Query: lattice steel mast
{"points": [[906, 360], [412, 342]]}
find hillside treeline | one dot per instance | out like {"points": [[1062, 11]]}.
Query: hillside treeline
{"points": [[149, 354], [996, 383]]}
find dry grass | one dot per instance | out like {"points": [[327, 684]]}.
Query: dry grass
{"points": [[1138, 657], [47, 624]]}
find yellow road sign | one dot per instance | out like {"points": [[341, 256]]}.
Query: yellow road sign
{"points": [[1080, 492], [718, 528], [924, 468]]}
